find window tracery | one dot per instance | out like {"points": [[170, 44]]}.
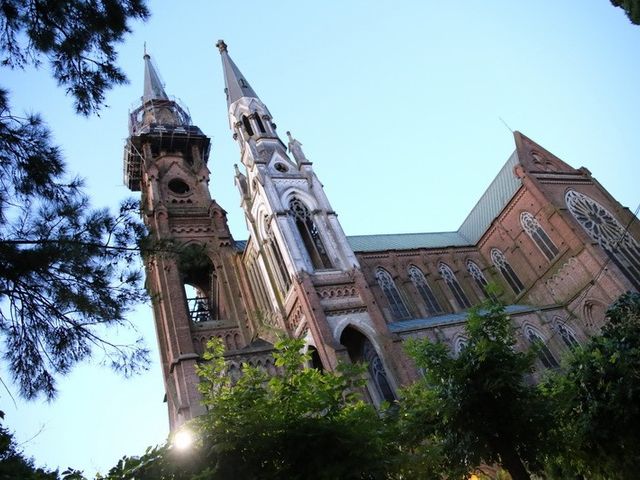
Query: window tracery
{"points": [[310, 234], [477, 275], [501, 263], [452, 282], [398, 308], [605, 229], [536, 340], [420, 282], [460, 344], [566, 334], [535, 231], [377, 371]]}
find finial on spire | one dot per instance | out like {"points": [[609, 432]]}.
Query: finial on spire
{"points": [[221, 46], [146, 55]]}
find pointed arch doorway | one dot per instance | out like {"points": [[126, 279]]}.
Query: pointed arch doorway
{"points": [[361, 349]]}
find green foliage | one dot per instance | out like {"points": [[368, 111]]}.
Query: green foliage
{"points": [[15, 466], [78, 37], [300, 424], [65, 268], [631, 8], [597, 400], [477, 408], [303, 423]]}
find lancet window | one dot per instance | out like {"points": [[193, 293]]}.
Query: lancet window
{"points": [[538, 235], [605, 229], [452, 282], [259, 122], [460, 344], [536, 340], [399, 310], [310, 234], [377, 371], [501, 263], [273, 250], [477, 275], [566, 334], [420, 282], [247, 125]]}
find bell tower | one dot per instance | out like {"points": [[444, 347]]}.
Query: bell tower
{"points": [[308, 280], [192, 268]]}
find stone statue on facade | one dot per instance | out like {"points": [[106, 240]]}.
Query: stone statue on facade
{"points": [[295, 148]]}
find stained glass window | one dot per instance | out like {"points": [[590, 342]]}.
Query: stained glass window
{"points": [[566, 334], [477, 275], [538, 235], [452, 282], [398, 308], [536, 340], [310, 234], [603, 228], [501, 263], [420, 282]]}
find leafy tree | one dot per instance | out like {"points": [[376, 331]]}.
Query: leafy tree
{"points": [[299, 424], [303, 423], [631, 8], [476, 409], [64, 266], [14, 465], [597, 400]]}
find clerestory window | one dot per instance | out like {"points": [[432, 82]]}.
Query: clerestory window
{"points": [[452, 282], [420, 282], [399, 310]]}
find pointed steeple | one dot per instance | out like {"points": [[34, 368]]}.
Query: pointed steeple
{"points": [[153, 88], [235, 84]]}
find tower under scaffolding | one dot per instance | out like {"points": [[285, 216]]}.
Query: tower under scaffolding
{"points": [[165, 126]]}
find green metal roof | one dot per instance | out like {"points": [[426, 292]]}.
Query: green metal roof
{"points": [[495, 198]]}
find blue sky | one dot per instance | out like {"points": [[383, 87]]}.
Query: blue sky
{"points": [[399, 106]]}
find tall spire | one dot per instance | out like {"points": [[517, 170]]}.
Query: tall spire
{"points": [[153, 89], [235, 84]]}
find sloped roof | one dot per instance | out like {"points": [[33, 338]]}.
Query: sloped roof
{"points": [[448, 319], [493, 200]]}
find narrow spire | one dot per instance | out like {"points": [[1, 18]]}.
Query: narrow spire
{"points": [[235, 84], [153, 89]]}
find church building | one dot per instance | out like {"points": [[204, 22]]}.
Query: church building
{"points": [[558, 245]]}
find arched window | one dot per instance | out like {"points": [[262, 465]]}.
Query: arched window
{"points": [[459, 344], [566, 333], [536, 340], [538, 235], [398, 308], [603, 228], [247, 125], [417, 277], [276, 258], [361, 349], [310, 234], [477, 275], [499, 260], [452, 282], [259, 122]]}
